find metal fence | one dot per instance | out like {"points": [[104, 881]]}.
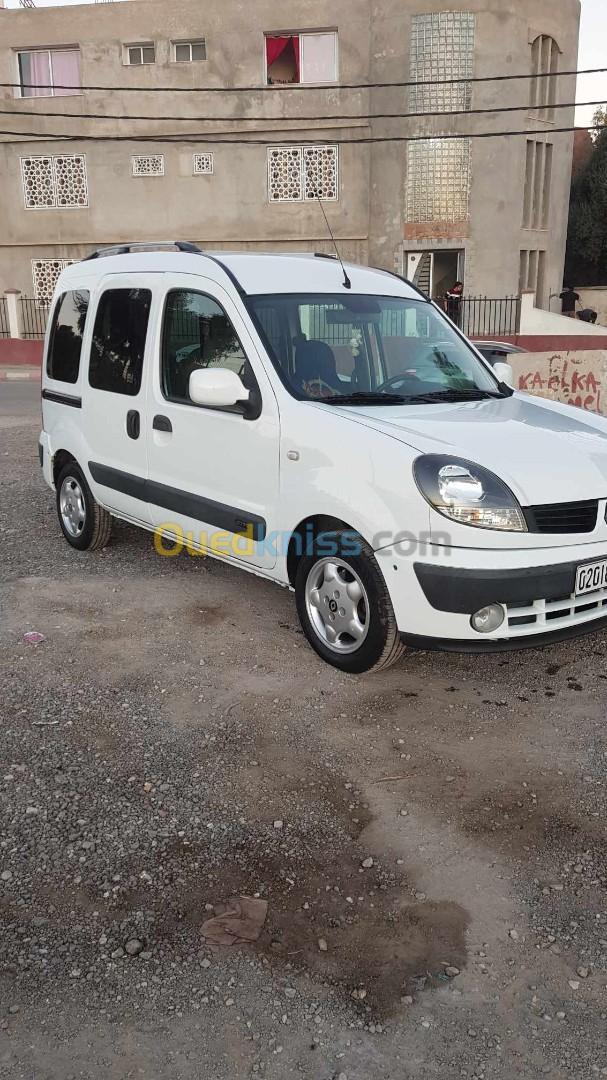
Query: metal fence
{"points": [[476, 316], [483, 316], [4, 327], [34, 315]]}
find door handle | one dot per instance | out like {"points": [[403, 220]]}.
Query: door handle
{"points": [[133, 424], [162, 423]]}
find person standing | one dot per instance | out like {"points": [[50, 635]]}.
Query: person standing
{"points": [[453, 302], [569, 299]]}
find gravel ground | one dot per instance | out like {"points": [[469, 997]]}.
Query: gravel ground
{"points": [[173, 741]]}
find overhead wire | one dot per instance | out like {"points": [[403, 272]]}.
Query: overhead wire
{"points": [[315, 118], [25, 137], [281, 87]]}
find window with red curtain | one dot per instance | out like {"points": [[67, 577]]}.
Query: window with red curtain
{"points": [[282, 58]]}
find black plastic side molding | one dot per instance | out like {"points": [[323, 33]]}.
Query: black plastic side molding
{"points": [[219, 515], [62, 399]]}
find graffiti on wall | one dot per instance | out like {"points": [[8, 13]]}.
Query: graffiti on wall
{"points": [[571, 379]]}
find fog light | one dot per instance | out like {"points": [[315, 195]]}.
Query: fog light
{"points": [[488, 619]]}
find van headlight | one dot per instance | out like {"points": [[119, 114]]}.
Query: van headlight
{"points": [[467, 493]]}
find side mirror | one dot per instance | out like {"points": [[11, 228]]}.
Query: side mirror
{"points": [[504, 372], [217, 387]]}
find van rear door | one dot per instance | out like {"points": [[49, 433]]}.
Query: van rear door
{"points": [[114, 394]]}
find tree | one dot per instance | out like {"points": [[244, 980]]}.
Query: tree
{"points": [[586, 262], [599, 118]]}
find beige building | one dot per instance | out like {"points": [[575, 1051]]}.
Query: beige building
{"points": [[269, 105]]}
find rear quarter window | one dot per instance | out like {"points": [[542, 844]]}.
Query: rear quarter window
{"points": [[65, 341]]}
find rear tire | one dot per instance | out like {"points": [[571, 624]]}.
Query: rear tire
{"points": [[344, 605], [85, 525]]}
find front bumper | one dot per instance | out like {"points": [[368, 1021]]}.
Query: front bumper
{"points": [[435, 591], [463, 591]]}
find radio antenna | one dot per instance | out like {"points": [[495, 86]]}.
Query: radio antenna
{"points": [[347, 282]]}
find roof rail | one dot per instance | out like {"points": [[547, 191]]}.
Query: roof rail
{"points": [[179, 245], [152, 245]]}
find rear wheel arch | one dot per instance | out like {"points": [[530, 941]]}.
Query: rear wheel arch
{"points": [[60, 459]]}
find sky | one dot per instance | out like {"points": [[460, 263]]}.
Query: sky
{"points": [[593, 51], [593, 54]]}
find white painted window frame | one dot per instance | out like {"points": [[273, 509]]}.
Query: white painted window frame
{"points": [[126, 59], [190, 42], [51, 90], [300, 34]]}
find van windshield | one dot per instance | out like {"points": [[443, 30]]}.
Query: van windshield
{"points": [[377, 349]]}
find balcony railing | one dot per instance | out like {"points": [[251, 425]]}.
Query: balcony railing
{"points": [[485, 317]]}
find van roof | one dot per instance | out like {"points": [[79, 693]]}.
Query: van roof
{"points": [[250, 272]]}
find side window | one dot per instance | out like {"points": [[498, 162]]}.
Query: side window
{"points": [[118, 342], [197, 334], [65, 345]]}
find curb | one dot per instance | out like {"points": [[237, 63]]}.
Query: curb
{"points": [[20, 374]]}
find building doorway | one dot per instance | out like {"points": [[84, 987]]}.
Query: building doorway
{"points": [[435, 272]]}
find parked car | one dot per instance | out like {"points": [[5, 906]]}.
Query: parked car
{"points": [[328, 428], [496, 352]]}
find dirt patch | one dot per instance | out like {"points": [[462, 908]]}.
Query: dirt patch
{"points": [[200, 616], [376, 941]]}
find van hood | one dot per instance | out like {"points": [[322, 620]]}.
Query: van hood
{"points": [[545, 452]]}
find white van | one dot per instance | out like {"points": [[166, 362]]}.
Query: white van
{"points": [[328, 428]]}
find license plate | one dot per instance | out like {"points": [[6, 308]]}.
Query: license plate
{"points": [[591, 577]]}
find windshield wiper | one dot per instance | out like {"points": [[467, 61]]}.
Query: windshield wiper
{"points": [[454, 395], [369, 398]]}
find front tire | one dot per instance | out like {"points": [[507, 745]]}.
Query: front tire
{"points": [[344, 606], [85, 525]]}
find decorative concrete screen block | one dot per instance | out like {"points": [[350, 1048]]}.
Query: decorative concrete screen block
{"points": [[70, 181], [285, 174], [55, 182], [148, 165], [203, 164], [45, 273], [38, 187], [442, 48], [438, 180], [320, 172], [297, 173]]}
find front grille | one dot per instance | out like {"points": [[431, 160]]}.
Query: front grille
{"points": [[544, 615], [573, 517]]}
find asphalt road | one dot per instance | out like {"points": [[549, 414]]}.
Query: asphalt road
{"points": [[20, 399], [173, 742]]}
